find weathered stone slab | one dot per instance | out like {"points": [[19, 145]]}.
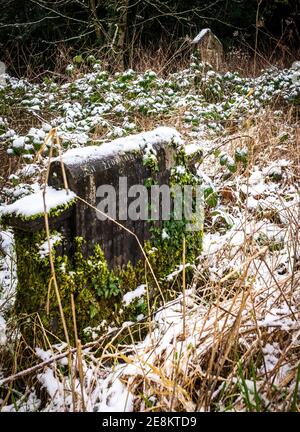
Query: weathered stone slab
{"points": [[88, 168], [209, 47]]}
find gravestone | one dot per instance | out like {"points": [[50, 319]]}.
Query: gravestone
{"points": [[209, 47], [93, 166], [70, 218]]}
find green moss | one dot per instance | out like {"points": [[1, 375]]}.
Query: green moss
{"points": [[94, 287], [97, 290], [33, 280]]}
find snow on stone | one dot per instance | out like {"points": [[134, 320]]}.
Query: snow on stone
{"points": [[19, 142], [160, 135], [200, 35], [132, 295], [104, 386], [33, 204]]}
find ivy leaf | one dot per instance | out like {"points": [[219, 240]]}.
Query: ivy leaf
{"points": [[93, 311], [210, 196], [241, 155]]}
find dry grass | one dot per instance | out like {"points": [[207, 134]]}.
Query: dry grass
{"points": [[171, 56]]}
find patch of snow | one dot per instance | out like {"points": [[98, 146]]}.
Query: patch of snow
{"points": [[29, 403], [132, 295], [176, 272], [52, 385], [114, 397], [8, 276], [43, 355], [180, 169], [44, 247], [164, 234], [19, 142], [252, 203]]}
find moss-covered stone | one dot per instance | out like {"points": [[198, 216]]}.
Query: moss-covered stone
{"points": [[98, 289]]}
